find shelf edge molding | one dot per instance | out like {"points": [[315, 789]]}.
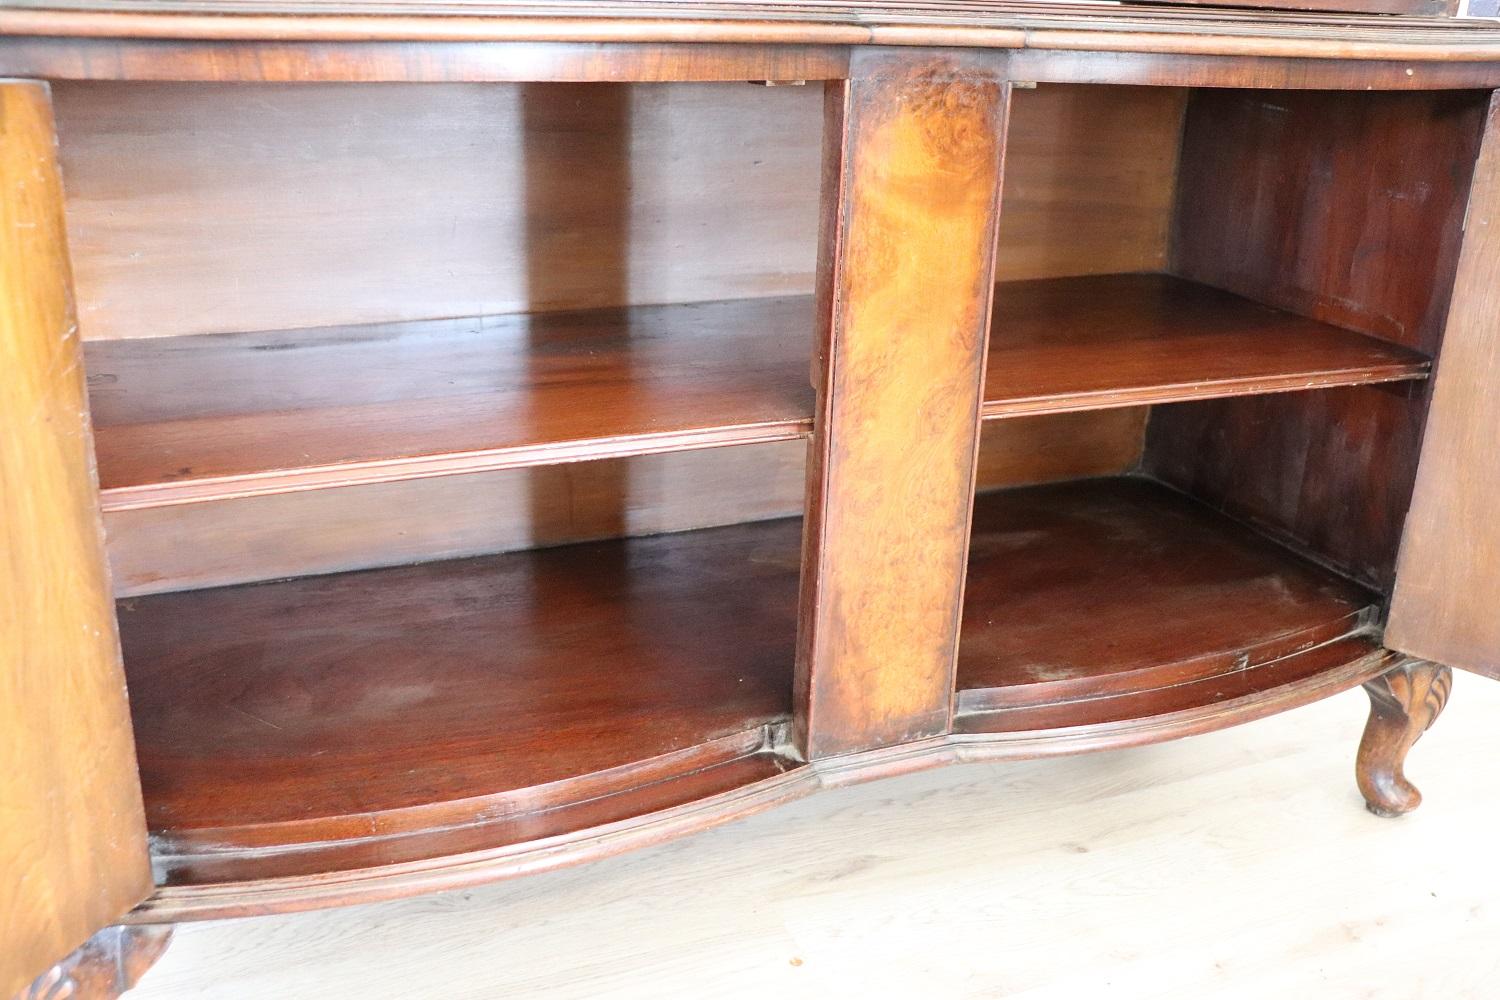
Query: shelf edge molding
{"points": [[1054, 349], [799, 780], [367, 473]]}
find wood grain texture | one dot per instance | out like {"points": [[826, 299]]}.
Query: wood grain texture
{"points": [[187, 215], [486, 696], [193, 418], [1404, 703], [1423, 8], [1003, 24], [1199, 709], [183, 420], [71, 832], [915, 144], [1046, 624], [296, 722], [1116, 869], [1222, 62], [1090, 175], [1082, 343], [1348, 208], [107, 966], [198, 209], [190, 546], [1328, 72], [1449, 571], [426, 62], [159, 549]]}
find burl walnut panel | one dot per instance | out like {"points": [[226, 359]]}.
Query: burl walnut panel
{"points": [[912, 185]]}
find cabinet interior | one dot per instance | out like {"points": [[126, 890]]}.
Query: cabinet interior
{"points": [[452, 438]]}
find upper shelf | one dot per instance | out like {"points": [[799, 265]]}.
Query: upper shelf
{"points": [[1123, 339], [192, 418], [185, 419]]}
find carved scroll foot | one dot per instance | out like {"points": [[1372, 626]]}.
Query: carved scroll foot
{"points": [[1403, 703], [108, 964]]}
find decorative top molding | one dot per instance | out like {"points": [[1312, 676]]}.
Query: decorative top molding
{"points": [[1017, 24]]}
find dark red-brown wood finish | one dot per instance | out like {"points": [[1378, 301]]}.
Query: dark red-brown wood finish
{"points": [[1000, 554]]}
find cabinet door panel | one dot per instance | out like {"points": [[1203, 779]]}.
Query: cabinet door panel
{"points": [[73, 853], [1447, 599]]}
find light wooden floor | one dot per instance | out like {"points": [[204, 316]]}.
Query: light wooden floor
{"points": [[1239, 864]]}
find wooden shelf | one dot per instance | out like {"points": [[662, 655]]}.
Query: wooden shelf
{"points": [[212, 417], [1110, 599], [1088, 343], [387, 716], [371, 718], [180, 420]]}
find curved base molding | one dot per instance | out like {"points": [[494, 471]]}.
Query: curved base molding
{"points": [[1404, 702], [248, 897]]}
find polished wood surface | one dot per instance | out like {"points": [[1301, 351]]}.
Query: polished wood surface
{"points": [[1152, 69], [219, 417], [1206, 596], [215, 898], [1378, 65], [496, 691], [983, 23], [277, 278], [1449, 571], [72, 839], [1211, 607], [1090, 177], [223, 209], [190, 546], [1134, 875], [187, 215], [193, 418], [1404, 703], [280, 724], [1347, 208], [1425, 8], [107, 965], [1081, 343], [912, 191]]}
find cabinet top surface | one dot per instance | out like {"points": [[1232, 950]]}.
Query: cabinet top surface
{"points": [[1016, 24]]}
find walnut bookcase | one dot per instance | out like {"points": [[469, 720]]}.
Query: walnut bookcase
{"points": [[445, 446]]}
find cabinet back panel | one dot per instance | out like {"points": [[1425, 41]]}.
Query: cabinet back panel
{"points": [[196, 208], [1346, 207], [204, 208]]}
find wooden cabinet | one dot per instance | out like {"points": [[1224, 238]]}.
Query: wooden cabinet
{"points": [[520, 439]]}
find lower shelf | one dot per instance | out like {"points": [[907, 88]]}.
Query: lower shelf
{"points": [[1112, 599], [367, 734], [378, 717]]}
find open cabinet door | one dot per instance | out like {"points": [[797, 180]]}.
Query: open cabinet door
{"points": [[1446, 605], [73, 855]]}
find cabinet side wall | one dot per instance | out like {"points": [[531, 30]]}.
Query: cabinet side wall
{"points": [[1349, 208]]}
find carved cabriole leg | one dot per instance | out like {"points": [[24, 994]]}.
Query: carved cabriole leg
{"points": [[1403, 703], [108, 964]]}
